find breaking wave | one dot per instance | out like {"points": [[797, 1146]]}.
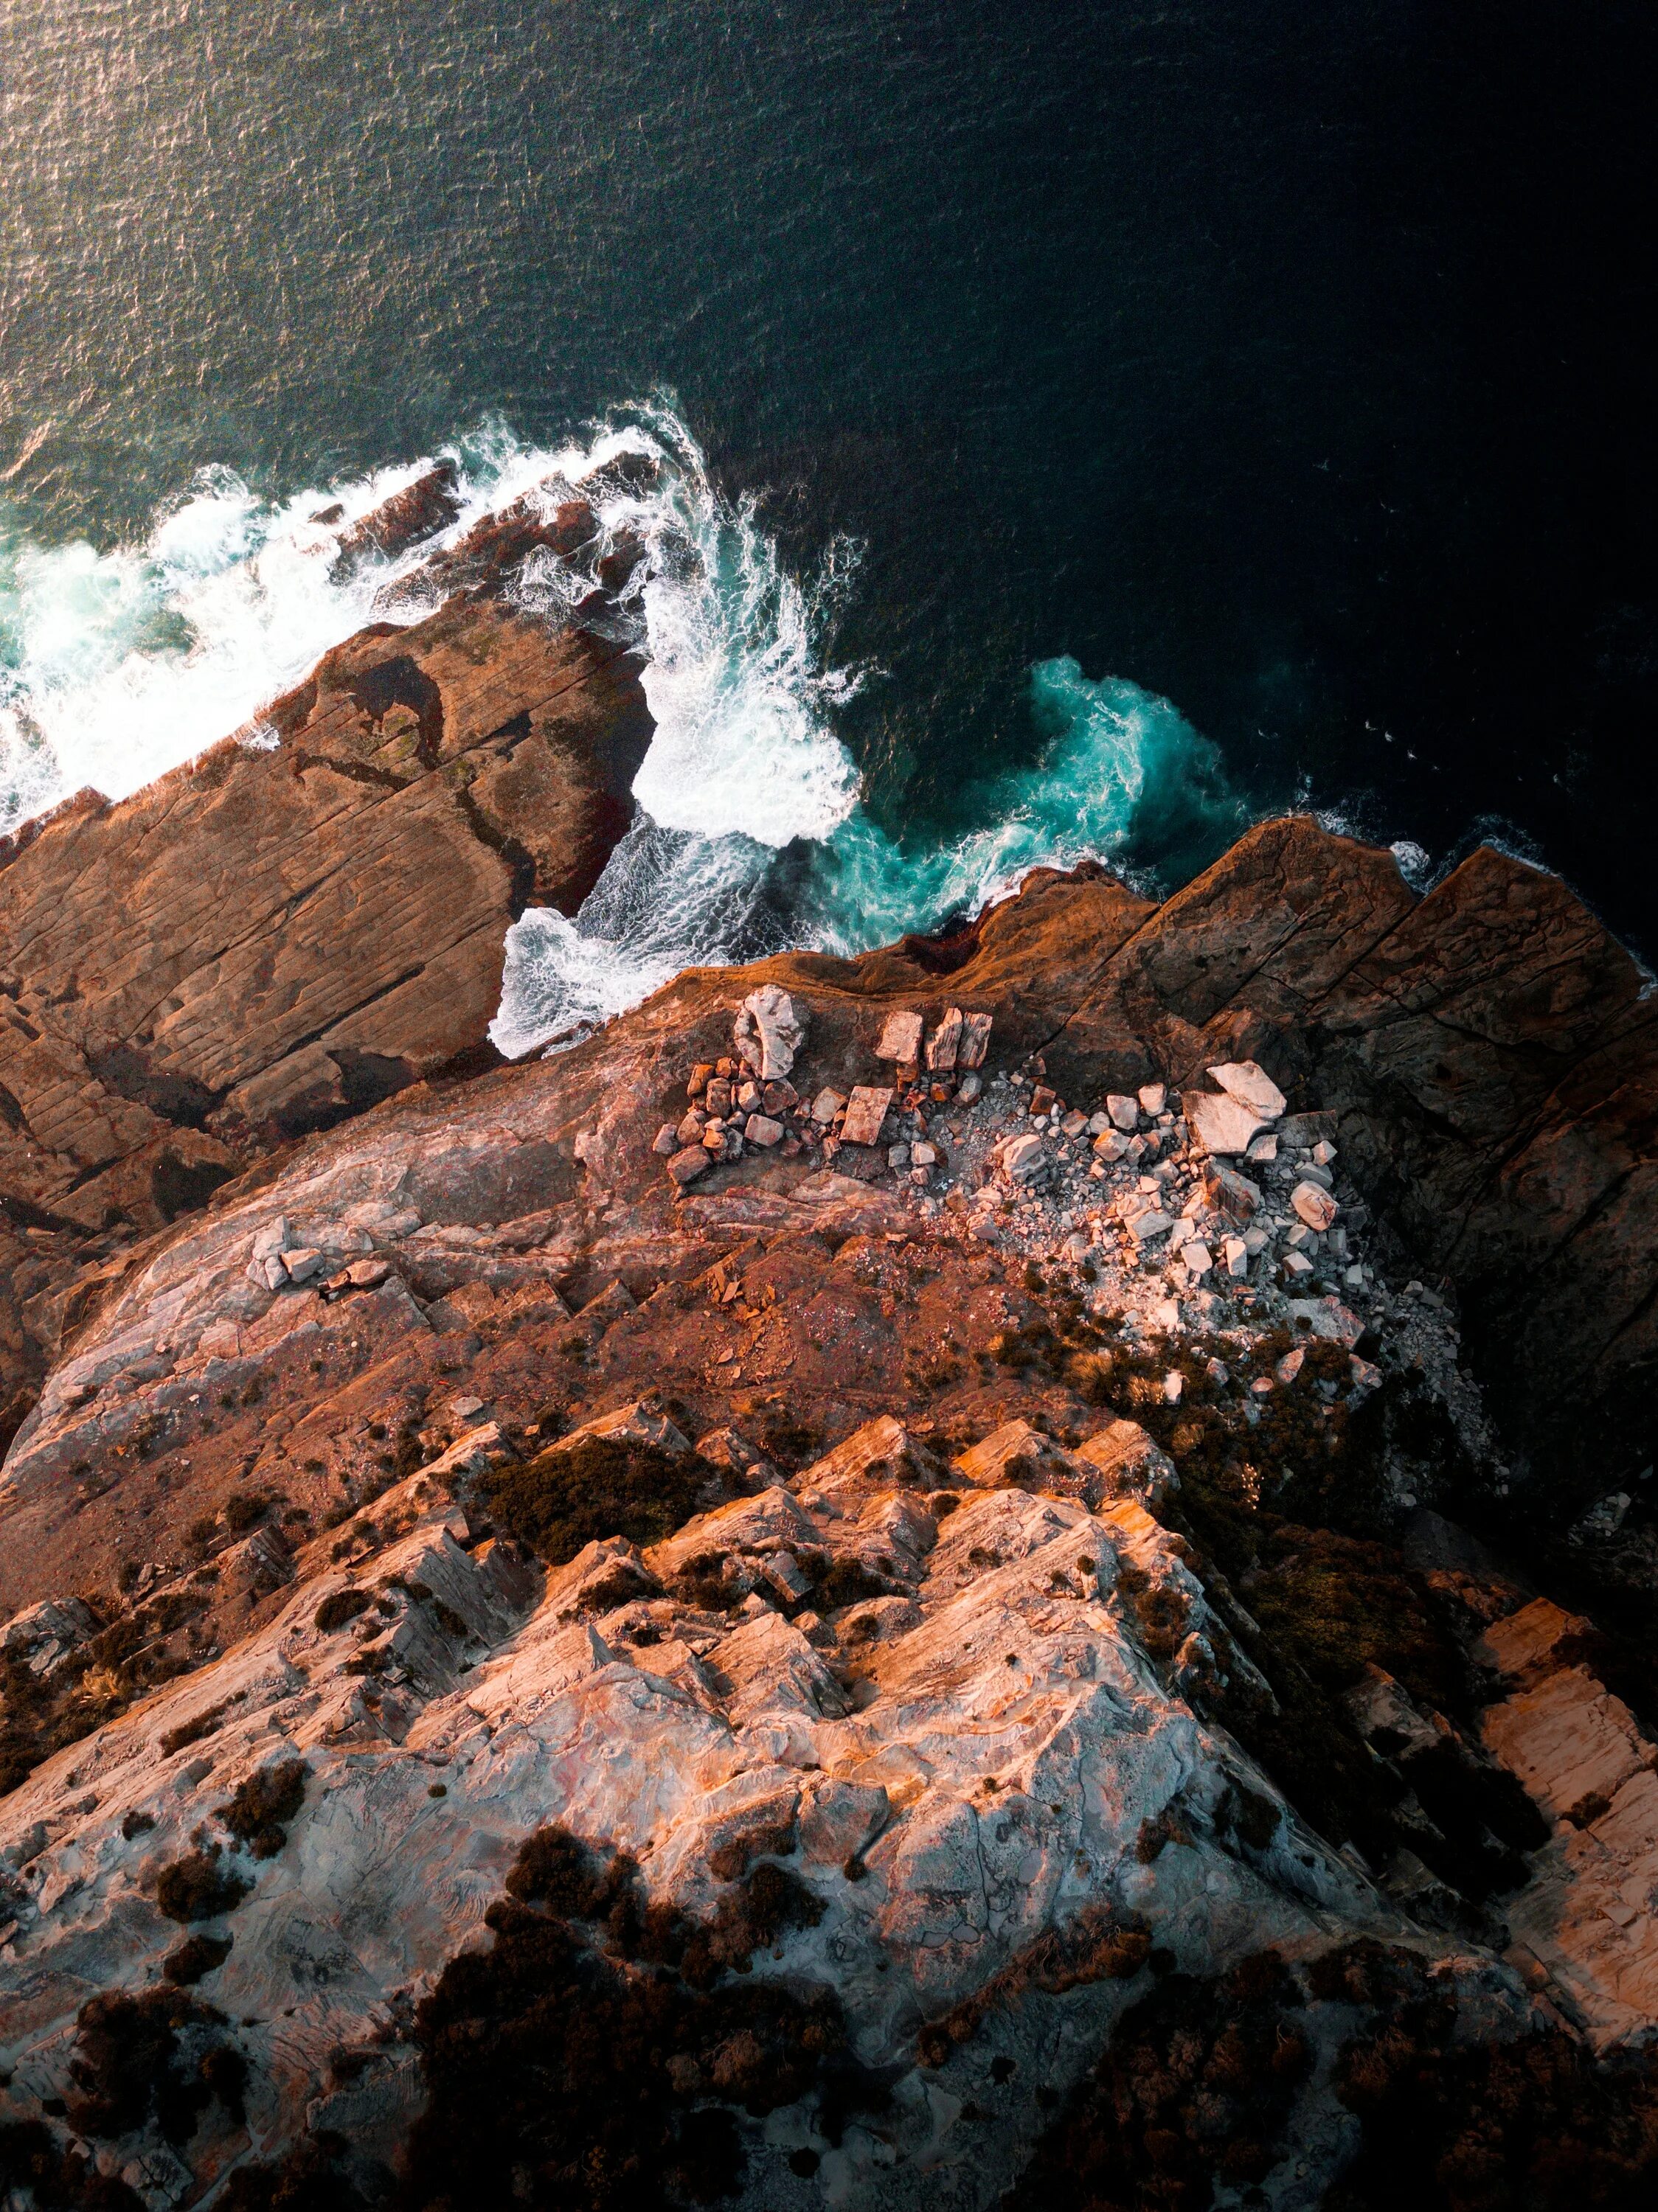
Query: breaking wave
{"points": [[116, 666]]}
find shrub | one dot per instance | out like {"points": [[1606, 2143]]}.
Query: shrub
{"points": [[130, 2066], [38, 2168], [847, 1580], [262, 1802], [191, 1731], [196, 1956], [305, 2180], [577, 2067], [248, 1508], [198, 1888], [339, 1607], [598, 1486], [1195, 2089]]}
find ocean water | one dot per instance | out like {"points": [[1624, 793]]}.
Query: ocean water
{"points": [[1086, 428]]}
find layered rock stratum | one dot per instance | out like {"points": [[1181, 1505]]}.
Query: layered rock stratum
{"points": [[311, 916], [971, 1576]]}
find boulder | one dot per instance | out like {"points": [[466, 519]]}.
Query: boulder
{"points": [[1252, 1086], [768, 1032], [945, 1042], [1025, 1157], [900, 1038], [1231, 1194], [1313, 1205], [975, 1041], [866, 1110], [1221, 1123]]}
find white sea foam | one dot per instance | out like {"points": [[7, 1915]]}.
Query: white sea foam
{"points": [[117, 665]]}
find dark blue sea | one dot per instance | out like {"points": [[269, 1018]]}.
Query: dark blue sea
{"points": [[1083, 429]]}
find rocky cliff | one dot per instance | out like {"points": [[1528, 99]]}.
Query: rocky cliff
{"points": [[863, 1589], [310, 917]]}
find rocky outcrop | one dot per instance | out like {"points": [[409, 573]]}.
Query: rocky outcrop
{"points": [[982, 1772], [1490, 1055], [1032, 1620], [305, 921]]}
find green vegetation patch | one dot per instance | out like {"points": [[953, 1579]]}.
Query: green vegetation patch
{"points": [[596, 1486], [198, 1887], [597, 2058]]}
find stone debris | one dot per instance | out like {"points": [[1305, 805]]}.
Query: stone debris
{"points": [[866, 1110], [945, 1042], [900, 1038], [975, 1044], [827, 1105], [685, 1166], [760, 1129], [1252, 1086], [1148, 1224], [1124, 1111], [357, 1275], [1231, 1194], [1024, 1157], [667, 1142], [1222, 1123], [1313, 1205], [769, 1032]]}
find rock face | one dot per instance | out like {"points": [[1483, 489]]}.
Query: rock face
{"points": [[270, 937], [984, 1777], [989, 1627], [1489, 1054], [303, 921]]}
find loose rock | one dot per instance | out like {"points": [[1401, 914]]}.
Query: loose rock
{"points": [[769, 1032], [866, 1110]]}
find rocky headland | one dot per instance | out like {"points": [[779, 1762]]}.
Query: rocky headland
{"points": [[1015, 1571]]}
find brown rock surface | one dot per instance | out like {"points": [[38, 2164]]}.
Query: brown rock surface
{"points": [[1587, 1915], [560, 1153], [941, 1571], [305, 920]]}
